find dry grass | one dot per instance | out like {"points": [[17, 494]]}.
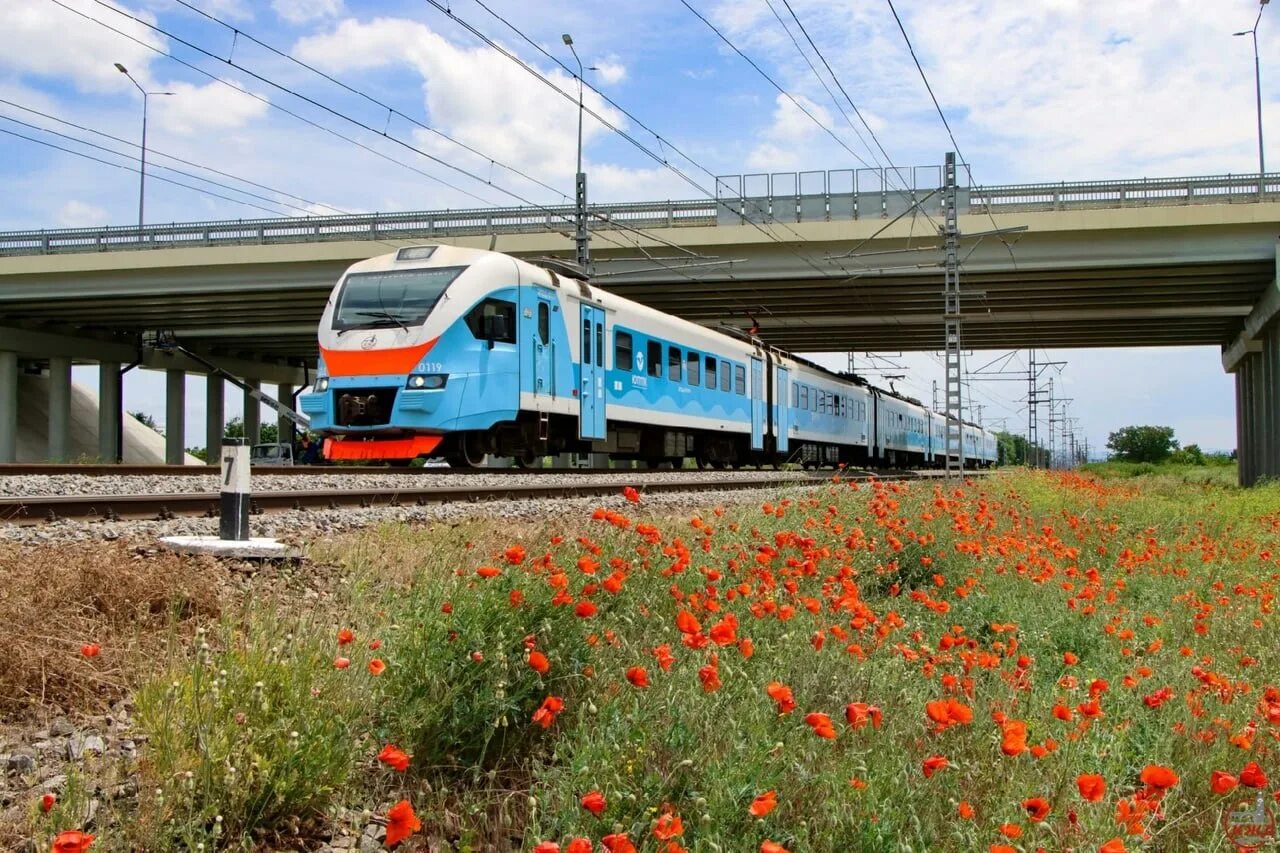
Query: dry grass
{"points": [[53, 600]]}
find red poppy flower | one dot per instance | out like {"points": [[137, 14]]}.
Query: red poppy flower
{"points": [[47, 801], [781, 694], [631, 494], [933, 764], [618, 843], [514, 555], [1092, 786], [578, 845], [594, 802], [91, 650], [668, 826], [395, 758], [1002, 848], [821, 725], [965, 810], [1115, 845], [341, 663], [664, 656], [709, 675], [538, 663], [763, 804], [1222, 783], [1252, 776], [585, 609], [638, 677], [1037, 808], [772, 847], [1070, 658], [376, 666], [488, 571], [547, 847], [345, 636], [860, 713], [1010, 830], [1158, 777], [546, 713], [725, 631], [401, 823], [72, 841]]}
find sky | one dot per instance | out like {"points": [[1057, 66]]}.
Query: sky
{"points": [[1047, 91]]}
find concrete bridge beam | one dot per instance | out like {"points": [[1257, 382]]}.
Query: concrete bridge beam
{"points": [[1254, 358], [59, 409]]}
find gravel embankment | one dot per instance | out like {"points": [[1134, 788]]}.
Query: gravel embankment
{"points": [[160, 484], [299, 526]]}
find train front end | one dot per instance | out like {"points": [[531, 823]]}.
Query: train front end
{"points": [[414, 346]]}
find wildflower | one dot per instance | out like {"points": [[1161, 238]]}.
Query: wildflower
{"points": [[631, 494], [763, 804], [578, 845], [767, 846], [1013, 737], [401, 823], [638, 677], [687, 623], [547, 847], [1115, 845], [538, 663], [1037, 808], [1002, 848], [725, 631], [487, 572], [1070, 658], [47, 801], [374, 645], [594, 802], [933, 764], [1010, 830], [1252, 776], [664, 656], [341, 663], [946, 713], [709, 675], [781, 694], [91, 650], [965, 810], [72, 841], [514, 555], [376, 666], [395, 758], [1092, 786], [821, 725], [668, 826], [618, 843], [1222, 783], [860, 713], [546, 713], [345, 636], [585, 609], [1158, 777]]}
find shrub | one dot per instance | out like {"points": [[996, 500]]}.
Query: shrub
{"points": [[253, 733]]}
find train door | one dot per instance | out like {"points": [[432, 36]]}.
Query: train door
{"points": [[542, 346], [591, 415], [757, 404], [782, 398]]}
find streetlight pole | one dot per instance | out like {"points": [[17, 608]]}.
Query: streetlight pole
{"points": [[1257, 82], [582, 238], [142, 163]]}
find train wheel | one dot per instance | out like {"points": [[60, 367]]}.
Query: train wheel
{"points": [[703, 463], [527, 459], [467, 452]]}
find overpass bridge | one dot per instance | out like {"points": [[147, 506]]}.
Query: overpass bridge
{"points": [[821, 261]]}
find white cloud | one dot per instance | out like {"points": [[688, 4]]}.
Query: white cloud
{"points": [[610, 70], [785, 143], [209, 107], [78, 214], [304, 11], [473, 94]]}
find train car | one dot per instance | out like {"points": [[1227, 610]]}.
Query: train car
{"points": [[443, 351]]}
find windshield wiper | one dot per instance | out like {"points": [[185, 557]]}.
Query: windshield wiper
{"points": [[384, 315]]}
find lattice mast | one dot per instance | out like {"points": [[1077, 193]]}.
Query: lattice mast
{"points": [[952, 323]]}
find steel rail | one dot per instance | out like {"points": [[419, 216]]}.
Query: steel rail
{"points": [[51, 508], [27, 469]]}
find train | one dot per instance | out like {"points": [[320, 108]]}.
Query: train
{"points": [[466, 354]]}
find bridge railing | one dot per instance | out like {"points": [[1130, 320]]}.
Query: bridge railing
{"points": [[782, 197]]}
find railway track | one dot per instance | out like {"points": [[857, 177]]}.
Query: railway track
{"points": [[23, 469], [49, 508]]}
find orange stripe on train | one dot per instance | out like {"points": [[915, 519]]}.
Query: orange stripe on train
{"points": [[375, 362]]}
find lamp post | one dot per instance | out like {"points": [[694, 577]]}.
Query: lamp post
{"points": [[1257, 82], [142, 170], [582, 238]]}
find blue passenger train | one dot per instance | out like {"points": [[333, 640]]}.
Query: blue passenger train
{"points": [[442, 351]]}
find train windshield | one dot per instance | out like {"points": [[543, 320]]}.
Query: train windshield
{"points": [[404, 298]]}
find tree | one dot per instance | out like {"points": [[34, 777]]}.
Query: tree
{"points": [[269, 432], [1142, 443], [145, 419]]}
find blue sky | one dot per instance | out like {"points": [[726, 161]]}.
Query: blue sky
{"points": [[1055, 90]]}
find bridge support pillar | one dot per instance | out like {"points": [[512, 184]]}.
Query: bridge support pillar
{"points": [[1258, 410], [109, 411], [252, 415], [215, 418], [284, 395], [175, 416], [8, 406], [59, 409]]}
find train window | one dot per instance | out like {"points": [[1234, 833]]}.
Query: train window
{"points": [[622, 351], [586, 341], [673, 364], [544, 323], [804, 397], [655, 359], [599, 344], [724, 376], [740, 379], [691, 361], [795, 395], [390, 299], [479, 322], [709, 373]]}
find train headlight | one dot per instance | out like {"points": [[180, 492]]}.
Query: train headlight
{"points": [[322, 384], [426, 381]]}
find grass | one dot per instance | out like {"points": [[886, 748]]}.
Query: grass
{"points": [[1121, 622]]}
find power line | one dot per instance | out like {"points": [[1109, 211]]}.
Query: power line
{"points": [[153, 165], [133, 169], [391, 111]]}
